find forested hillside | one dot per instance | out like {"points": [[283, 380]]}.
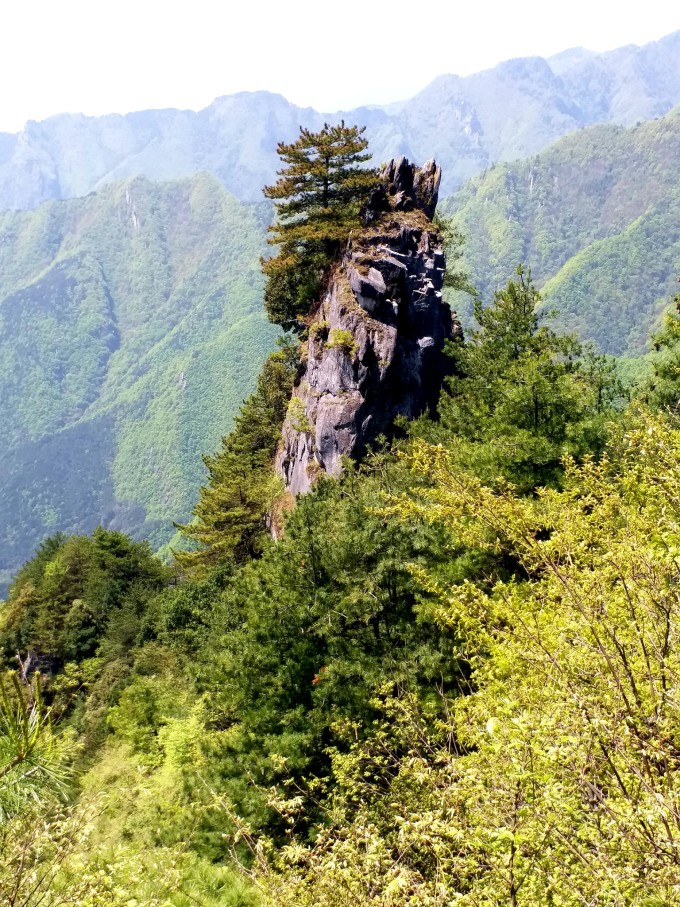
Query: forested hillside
{"points": [[446, 674], [596, 216], [450, 681], [131, 328]]}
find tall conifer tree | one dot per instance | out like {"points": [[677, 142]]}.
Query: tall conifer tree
{"points": [[318, 197], [230, 516]]}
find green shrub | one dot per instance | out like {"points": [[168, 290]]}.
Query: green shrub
{"points": [[341, 340]]}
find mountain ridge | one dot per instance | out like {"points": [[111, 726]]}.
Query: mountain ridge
{"points": [[468, 123], [602, 195]]}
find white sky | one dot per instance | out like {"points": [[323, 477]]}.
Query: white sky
{"points": [[98, 56]]}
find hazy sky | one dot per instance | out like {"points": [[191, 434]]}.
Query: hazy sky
{"points": [[98, 56]]}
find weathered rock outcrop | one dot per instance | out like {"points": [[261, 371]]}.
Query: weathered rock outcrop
{"points": [[376, 338]]}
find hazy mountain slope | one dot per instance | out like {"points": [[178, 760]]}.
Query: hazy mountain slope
{"points": [[628, 84], [564, 61], [70, 155], [131, 328], [614, 291], [599, 212], [512, 110]]}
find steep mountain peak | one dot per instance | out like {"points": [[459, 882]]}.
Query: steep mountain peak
{"points": [[376, 337]]}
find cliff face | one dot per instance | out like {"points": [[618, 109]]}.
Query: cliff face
{"points": [[376, 338]]}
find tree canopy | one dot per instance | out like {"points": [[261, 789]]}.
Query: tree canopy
{"points": [[231, 515], [553, 781], [663, 387], [522, 396], [318, 197]]}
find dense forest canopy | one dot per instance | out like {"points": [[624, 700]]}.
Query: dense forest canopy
{"points": [[131, 324], [596, 216], [452, 679]]}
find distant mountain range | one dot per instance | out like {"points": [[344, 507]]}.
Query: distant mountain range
{"points": [[131, 328], [467, 124], [596, 216]]}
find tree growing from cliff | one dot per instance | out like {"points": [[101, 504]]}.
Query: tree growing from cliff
{"points": [[318, 197]]}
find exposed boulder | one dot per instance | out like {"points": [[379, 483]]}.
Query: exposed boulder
{"points": [[405, 187], [375, 347]]}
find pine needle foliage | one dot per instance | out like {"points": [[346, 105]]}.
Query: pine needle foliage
{"points": [[522, 395], [32, 755], [230, 517], [663, 388], [318, 197]]}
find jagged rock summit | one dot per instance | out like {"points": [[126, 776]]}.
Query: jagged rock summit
{"points": [[376, 337], [405, 187]]}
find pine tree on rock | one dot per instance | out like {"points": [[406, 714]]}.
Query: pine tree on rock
{"points": [[318, 197]]}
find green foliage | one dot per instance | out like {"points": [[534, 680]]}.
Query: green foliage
{"points": [[302, 638], [126, 837], [77, 593], [318, 198], [319, 329], [234, 506], [237, 696], [595, 216], [33, 758], [552, 781], [400, 699], [523, 396], [36, 775], [662, 388], [73, 858], [455, 277], [297, 416], [131, 331], [342, 340]]}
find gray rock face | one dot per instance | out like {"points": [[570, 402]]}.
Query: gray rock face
{"points": [[375, 341], [405, 187]]}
